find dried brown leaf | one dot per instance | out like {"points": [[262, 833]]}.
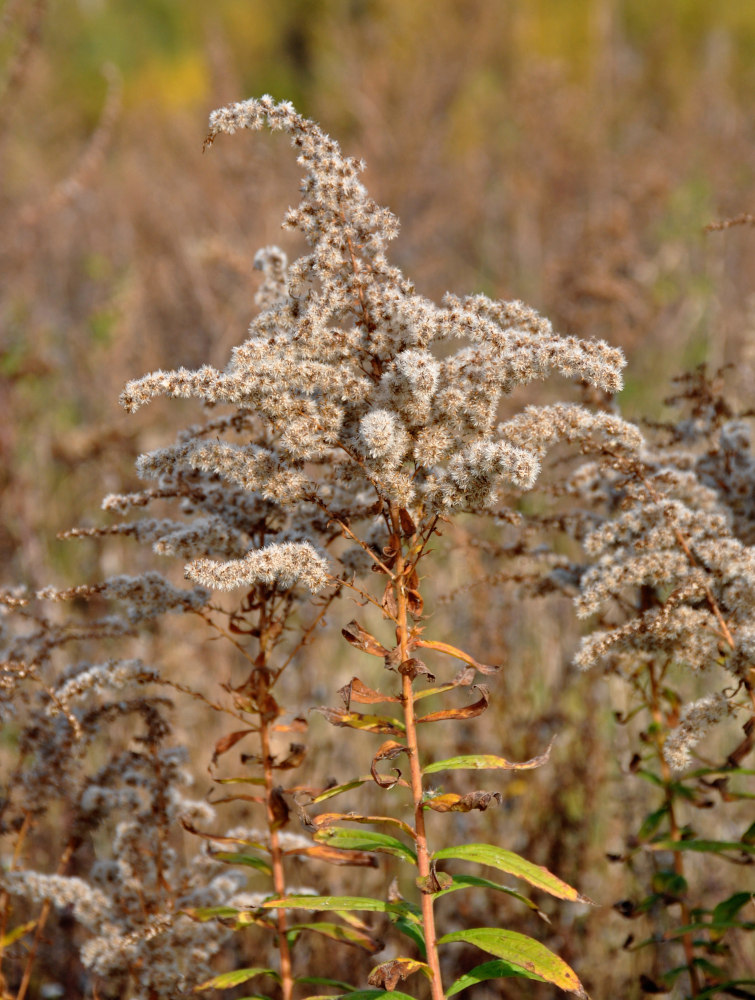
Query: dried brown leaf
{"points": [[388, 751], [470, 712], [356, 691], [361, 639], [451, 802]]}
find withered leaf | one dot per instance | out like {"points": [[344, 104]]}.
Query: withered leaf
{"points": [[367, 723], [470, 712], [445, 647], [225, 743], [335, 855], [356, 691], [434, 882], [737, 755], [361, 639], [414, 668], [388, 751], [296, 754], [387, 975], [388, 602], [463, 803], [415, 603], [279, 808], [297, 725], [408, 526]]}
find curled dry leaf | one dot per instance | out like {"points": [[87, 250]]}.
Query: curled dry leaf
{"points": [[335, 855], [225, 743], [451, 802], [389, 974], [279, 808], [470, 712], [413, 668], [434, 882], [361, 639], [355, 690], [388, 751], [445, 647], [296, 754], [367, 723], [388, 601], [408, 526]]}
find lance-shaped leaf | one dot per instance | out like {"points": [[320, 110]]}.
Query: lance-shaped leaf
{"points": [[348, 935], [497, 969], [512, 864], [356, 691], [325, 820], [473, 881], [367, 723], [367, 840], [388, 751], [450, 802], [486, 762], [226, 980], [361, 639], [705, 846], [529, 957], [334, 856], [459, 654], [329, 793], [225, 743], [345, 903], [339, 984], [218, 839], [241, 780], [374, 995], [242, 918], [388, 974], [463, 679], [468, 712], [250, 860]]}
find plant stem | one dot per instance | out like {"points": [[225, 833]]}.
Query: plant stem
{"points": [[407, 698], [687, 940], [276, 856]]}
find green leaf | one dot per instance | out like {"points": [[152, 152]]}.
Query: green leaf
{"points": [[251, 860], [704, 846], [523, 953], [334, 903], [16, 933], [339, 933], [366, 840], [472, 881], [367, 723], [482, 762], [227, 980], [378, 995], [726, 988], [488, 970], [651, 823], [729, 907], [411, 930], [319, 981], [338, 789], [512, 864]]}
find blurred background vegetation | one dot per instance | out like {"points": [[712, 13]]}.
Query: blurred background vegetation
{"points": [[565, 152]]}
